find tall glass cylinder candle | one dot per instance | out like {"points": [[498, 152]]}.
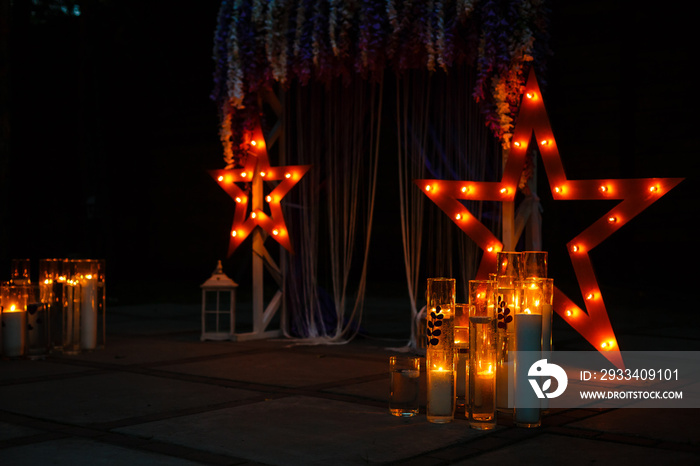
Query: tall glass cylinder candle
{"points": [[71, 308], [13, 299], [51, 283], [440, 297], [547, 316], [85, 278], [461, 356], [37, 324], [101, 304], [508, 273], [482, 355], [528, 345]]}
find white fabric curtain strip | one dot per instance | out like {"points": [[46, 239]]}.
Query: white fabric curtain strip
{"points": [[441, 135], [335, 128]]}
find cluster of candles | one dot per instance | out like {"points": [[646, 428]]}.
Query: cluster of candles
{"points": [[472, 348], [62, 311]]}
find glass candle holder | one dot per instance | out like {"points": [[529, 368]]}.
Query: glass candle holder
{"points": [[509, 266], [85, 274], [404, 374], [440, 297], [508, 273], [19, 271], [13, 299], [52, 281], [534, 264], [101, 304], [70, 326], [461, 358], [547, 316], [482, 355], [38, 322], [528, 345]]}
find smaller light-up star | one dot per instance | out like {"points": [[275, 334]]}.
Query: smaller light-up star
{"points": [[257, 169]]}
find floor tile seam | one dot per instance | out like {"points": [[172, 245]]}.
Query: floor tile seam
{"points": [[191, 454], [211, 357], [52, 377], [349, 381], [472, 444], [32, 439], [267, 396], [172, 414], [102, 368], [354, 357], [622, 438], [52, 430]]}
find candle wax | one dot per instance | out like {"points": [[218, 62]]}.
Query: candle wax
{"points": [[88, 313], [14, 330], [441, 394]]}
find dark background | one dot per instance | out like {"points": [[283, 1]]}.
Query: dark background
{"points": [[111, 132]]}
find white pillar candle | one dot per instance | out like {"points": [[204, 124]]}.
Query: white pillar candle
{"points": [[441, 395], [14, 330], [88, 312]]}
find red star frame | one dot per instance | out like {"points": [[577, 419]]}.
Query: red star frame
{"points": [[634, 195], [257, 169]]}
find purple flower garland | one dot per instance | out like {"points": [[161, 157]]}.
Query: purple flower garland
{"points": [[323, 39]]}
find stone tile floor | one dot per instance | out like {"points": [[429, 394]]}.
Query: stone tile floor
{"points": [[157, 395]]}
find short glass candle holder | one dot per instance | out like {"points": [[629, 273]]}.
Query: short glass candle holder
{"points": [[404, 372]]}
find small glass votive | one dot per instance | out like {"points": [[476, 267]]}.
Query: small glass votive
{"points": [[13, 299], [440, 408], [404, 374]]}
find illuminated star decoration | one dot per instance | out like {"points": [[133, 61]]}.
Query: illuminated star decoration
{"points": [[256, 170], [635, 195]]}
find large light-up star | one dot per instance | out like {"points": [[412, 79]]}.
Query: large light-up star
{"points": [[634, 195], [256, 170]]}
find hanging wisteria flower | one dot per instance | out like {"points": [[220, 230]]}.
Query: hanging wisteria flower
{"points": [[258, 42]]}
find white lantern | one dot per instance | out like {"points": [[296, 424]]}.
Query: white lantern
{"points": [[218, 306]]}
